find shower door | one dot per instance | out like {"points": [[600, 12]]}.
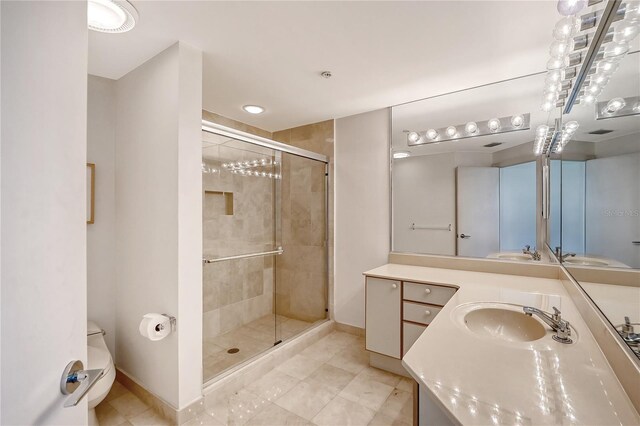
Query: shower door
{"points": [[301, 270], [240, 183], [264, 245]]}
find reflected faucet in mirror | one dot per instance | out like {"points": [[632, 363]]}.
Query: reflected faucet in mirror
{"points": [[629, 335]]}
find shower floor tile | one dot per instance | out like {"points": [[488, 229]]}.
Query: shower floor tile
{"points": [[251, 339]]}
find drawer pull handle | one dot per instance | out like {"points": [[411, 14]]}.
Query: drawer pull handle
{"points": [[394, 285], [427, 312], [427, 290]]}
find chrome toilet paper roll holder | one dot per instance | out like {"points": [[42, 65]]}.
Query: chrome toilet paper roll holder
{"points": [[172, 323]]}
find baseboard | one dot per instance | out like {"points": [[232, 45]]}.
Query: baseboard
{"points": [[351, 329], [159, 405]]}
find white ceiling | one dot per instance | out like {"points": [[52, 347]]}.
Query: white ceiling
{"points": [[380, 53]]}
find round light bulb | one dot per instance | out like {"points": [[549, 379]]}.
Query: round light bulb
{"points": [[615, 105], [600, 79], [553, 76], [413, 137], [559, 49], [566, 28], [547, 106], [593, 89], [626, 32], [570, 7], [571, 126], [451, 131], [542, 130], [493, 124], [589, 99], [632, 12], [557, 63], [471, 128], [615, 50], [432, 134], [551, 96], [517, 121]]}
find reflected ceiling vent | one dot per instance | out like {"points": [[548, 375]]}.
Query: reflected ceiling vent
{"points": [[600, 132], [492, 144]]}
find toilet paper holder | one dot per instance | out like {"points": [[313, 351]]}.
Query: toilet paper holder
{"points": [[172, 322]]}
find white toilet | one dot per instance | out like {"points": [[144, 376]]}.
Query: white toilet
{"points": [[98, 356]]}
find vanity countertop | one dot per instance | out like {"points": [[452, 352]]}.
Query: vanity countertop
{"points": [[482, 380]]}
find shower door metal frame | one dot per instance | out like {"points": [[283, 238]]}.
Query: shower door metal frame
{"points": [[278, 147], [218, 129]]}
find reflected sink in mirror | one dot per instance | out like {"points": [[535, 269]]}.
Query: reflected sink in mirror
{"points": [[514, 256], [585, 261], [505, 324]]}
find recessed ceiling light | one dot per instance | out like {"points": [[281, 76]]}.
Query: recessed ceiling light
{"points": [[401, 154], [253, 109], [111, 16]]}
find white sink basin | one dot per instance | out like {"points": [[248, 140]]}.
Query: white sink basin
{"points": [[585, 261], [505, 324]]}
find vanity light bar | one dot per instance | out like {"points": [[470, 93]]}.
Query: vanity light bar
{"points": [[544, 135], [568, 130], [471, 129], [618, 107]]}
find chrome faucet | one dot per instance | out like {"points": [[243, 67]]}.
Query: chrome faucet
{"points": [[535, 255], [628, 333], [561, 256], [555, 321]]}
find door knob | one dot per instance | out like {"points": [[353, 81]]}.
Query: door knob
{"points": [[464, 236], [427, 290], [394, 285], [427, 312]]}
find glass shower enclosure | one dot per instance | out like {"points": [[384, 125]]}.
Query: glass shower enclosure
{"points": [[264, 245]]}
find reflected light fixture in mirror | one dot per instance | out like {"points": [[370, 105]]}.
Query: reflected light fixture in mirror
{"points": [[618, 107], [111, 16], [401, 154]]}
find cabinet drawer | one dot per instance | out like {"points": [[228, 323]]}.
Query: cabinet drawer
{"points": [[428, 293], [410, 333], [419, 313]]}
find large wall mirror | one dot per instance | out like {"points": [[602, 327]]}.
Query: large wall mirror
{"points": [[596, 182], [465, 178]]}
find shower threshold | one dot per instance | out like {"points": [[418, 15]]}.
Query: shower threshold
{"points": [[258, 357]]}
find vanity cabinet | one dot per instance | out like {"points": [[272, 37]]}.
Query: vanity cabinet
{"points": [[383, 316], [397, 312]]}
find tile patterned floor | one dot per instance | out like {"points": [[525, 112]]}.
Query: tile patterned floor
{"points": [[329, 383], [251, 339], [121, 407]]}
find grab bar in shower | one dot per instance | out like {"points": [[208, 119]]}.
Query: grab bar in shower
{"points": [[244, 256]]}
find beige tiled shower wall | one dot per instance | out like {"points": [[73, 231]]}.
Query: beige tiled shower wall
{"points": [[238, 218], [301, 290]]}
